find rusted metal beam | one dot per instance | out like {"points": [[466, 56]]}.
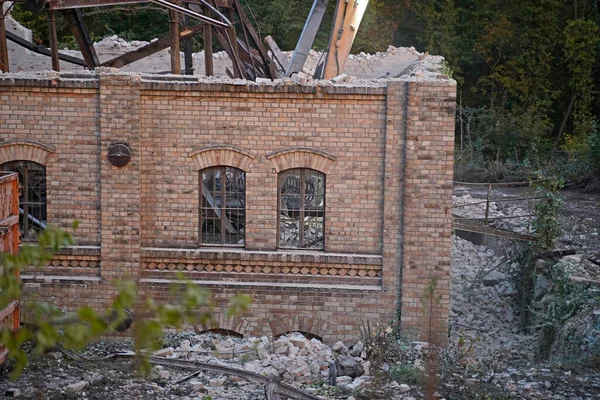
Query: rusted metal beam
{"points": [[277, 53], [174, 42], [232, 38], [188, 62], [53, 40], [82, 37], [78, 4], [269, 67], [193, 14], [67, 4], [208, 51], [42, 50], [4, 66], [150, 48]]}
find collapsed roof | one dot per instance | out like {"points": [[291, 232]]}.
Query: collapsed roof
{"points": [[247, 60]]}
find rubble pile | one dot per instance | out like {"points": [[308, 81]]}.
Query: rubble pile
{"points": [[482, 309], [467, 206], [292, 358]]}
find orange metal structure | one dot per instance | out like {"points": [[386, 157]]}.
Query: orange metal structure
{"points": [[348, 15], [9, 242]]}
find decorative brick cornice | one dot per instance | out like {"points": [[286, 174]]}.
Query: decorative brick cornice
{"points": [[301, 157], [24, 149], [219, 154]]}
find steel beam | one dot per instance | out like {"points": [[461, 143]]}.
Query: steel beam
{"points": [[150, 48], [247, 26], [193, 14], [208, 51], [4, 66], [42, 50], [53, 40], [67, 4], [174, 42], [307, 37], [80, 32], [277, 53], [187, 49]]}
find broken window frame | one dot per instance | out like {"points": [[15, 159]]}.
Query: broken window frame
{"points": [[303, 173], [222, 209], [32, 194]]}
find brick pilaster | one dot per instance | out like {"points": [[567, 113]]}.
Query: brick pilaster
{"points": [[120, 188], [428, 208]]}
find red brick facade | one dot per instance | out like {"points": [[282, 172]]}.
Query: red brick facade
{"points": [[386, 152]]}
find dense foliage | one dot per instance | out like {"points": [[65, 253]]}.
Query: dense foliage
{"points": [[528, 70]]}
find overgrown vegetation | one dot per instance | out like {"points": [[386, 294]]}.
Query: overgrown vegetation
{"points": [[547, 230], [567, 300]]}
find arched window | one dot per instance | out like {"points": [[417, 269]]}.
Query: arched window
{"points": [[301, 209], [32, 196], [222, 206]]}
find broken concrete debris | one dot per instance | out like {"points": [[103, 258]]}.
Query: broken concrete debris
{"points": [[77, 386], [394, 62]]}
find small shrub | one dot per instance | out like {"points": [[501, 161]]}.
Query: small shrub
{"points": [[408, 374]]}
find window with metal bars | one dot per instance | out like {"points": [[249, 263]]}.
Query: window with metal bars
{"points": [[301, 195], [32, 196], [222, 206]]}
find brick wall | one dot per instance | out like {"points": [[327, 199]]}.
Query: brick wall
{"points": [[386, 151]]}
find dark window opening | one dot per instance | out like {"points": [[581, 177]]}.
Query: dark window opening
{"points": [[302, 209], [222, 206], [223, 332], [307, 335], [32, 196]]}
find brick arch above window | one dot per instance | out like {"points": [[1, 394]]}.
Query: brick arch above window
{"points": [[24, 149], [227, 155], [301, 157]]}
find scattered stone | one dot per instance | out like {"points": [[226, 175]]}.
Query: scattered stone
{"points": [[357, 383], [340, 347], [343, 380], [57, 355], [357, 349], [166, 352], [343, 78], [299, 341], [77, 386], [347, 365], [403, 388], [253, 366], [197, 386], [542, 287], [152, 387], [216, 382], [493, 278]]}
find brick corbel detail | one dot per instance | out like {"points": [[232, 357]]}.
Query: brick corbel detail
{"points": [[301, 157], [27, 150], [228, 155]]}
